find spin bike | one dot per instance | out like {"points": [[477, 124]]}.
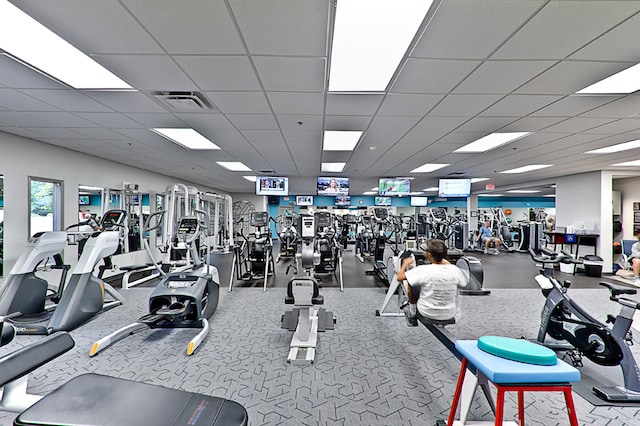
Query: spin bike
{"points": [[563, 320]]}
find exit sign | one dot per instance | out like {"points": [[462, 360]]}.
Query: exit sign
{"points": [[490, 187]]}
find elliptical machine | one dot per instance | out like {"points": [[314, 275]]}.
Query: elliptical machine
{"points": [[380, 215], [253, 259], [185, 299], [72, 304], [303, 293], [563, 320], [288, 236]]}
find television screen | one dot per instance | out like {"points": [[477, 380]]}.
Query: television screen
{"points": [[419, 201], [394, 186], [83, 200], [342, 201], [454, 188], [304, 200], [382, 201], [333, 186], [272, 186]]}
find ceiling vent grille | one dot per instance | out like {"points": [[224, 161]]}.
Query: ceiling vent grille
{"points": [[457, 174], [184, 101]]}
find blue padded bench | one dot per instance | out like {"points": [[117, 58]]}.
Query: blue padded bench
{"points": [[507, 375]]}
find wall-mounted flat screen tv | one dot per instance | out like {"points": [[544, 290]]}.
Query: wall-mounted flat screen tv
{"points": [[333, 186], [382, 201], [419, 201], [304, 200], [394, 187], [454, 187], [272, 186], [342, 201], [83, 200]]}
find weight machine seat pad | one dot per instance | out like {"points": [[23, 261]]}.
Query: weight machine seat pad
{"points": [[93, 399], [25, 360]]}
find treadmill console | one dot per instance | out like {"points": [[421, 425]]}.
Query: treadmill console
{"points": [[324, 219], [113, 217], [351, 219]]}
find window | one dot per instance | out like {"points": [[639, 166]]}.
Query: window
{"points": [[45, 205]]}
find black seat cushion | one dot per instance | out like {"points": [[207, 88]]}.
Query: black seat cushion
{"points": [[93, 399]]}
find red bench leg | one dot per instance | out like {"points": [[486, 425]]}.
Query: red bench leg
{"points": [[499, 406], [521, 406], [573, 419], [456, 396]]}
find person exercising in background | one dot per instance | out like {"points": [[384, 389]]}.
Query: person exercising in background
{"points": [[439, 282], [634, 258], [486, 236]]}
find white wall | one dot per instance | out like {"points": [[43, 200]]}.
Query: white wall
{"points": [[21, 157]]}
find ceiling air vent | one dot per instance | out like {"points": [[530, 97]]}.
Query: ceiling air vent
{"points": [[457, 174], [184, 101]]}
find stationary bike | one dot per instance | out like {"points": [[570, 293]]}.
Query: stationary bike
{"points": [[563, 320]]}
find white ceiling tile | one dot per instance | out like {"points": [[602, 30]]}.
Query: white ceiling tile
{"points": [[156, 120], [404, 104], [127, 102], [285, 74], [532, 124], [25, 132], [625, 107], [17, 101], [432, 75], [148, 72], [303, 139], [260, 138], [94, 26], [197, 27], [340, 104], [220, 72], [562, 27], [574, 105], [396, 125], [62, 119], [109, 119], [577, 125], [519, 105], [58, 133], [453, 33], [291, 103], [18, 119], [283, 27], [300, 121], [567, 77], [205, 121], [463, 105], [618, 45], [98, 133], [485, 125], [346, 122], [240, 102], [253, 121], [67, 99], [618, 126], [14, 74], [430, 129], [502, 76]]}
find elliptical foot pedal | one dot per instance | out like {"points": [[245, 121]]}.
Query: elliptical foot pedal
{"points": [[173, 310], [326, 320], [151, 319]]}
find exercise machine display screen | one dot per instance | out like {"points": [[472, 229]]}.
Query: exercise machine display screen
{"points": [[324, 219], [113, 216], [259, 219], [308, 227], [188, 226], [381, 214]]}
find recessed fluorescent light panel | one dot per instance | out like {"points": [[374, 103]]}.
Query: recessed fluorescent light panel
{"points": [[370, 39], [28, 41], [492, 141], [549, 195], [250, 178], [627, 164], [416, 193], [234, 166], [335, 140], [433, 188], [489, 195], [474, 180], [528, 168], [333, 167], [429, 167], [616, 148], [188, 138], [523, 191], [370, 193], [626, 81]]}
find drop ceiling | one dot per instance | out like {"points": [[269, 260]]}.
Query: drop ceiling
{"points": [[475, 67]]}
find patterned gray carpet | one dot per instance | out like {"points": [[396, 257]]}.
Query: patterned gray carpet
{"points": [[368, 371]]}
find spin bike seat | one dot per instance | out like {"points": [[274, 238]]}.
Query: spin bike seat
{"points": [[617, 290]]}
